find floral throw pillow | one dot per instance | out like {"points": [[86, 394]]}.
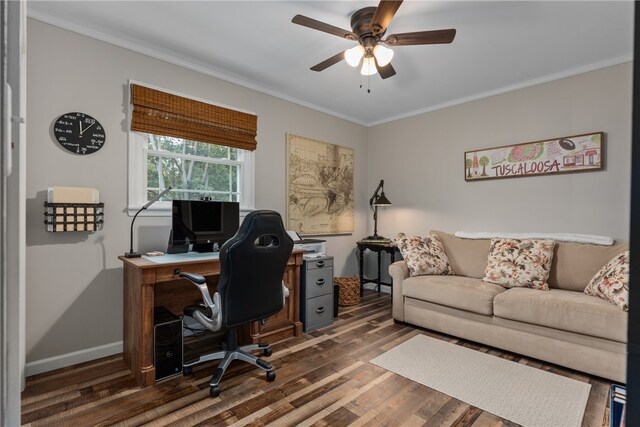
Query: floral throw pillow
{"points": [[519, 263], [424, 255], [611, 283]]}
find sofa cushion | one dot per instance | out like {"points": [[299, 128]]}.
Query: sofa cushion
{"points": [[574, 264], [464, 293], [467, 257], [611, 283], [564, 310], [514, 263], [423, 255]]}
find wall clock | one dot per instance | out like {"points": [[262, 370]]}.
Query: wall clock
{"points": [[79, 133]]}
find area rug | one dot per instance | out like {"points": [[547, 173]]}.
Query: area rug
{"points": [[510, 390]]}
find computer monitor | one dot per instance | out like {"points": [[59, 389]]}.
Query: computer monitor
{"points": [[204, 223]]}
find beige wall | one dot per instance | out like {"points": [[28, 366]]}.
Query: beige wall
{"points": [[74, 280], [423, 157]]}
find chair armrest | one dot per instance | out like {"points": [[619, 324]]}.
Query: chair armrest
{"points": [[285, 294], [200, 283], [398, 272], [214, 306], [193, 277]]}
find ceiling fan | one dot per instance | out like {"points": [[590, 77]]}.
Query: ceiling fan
{"points": [[368, 27]]}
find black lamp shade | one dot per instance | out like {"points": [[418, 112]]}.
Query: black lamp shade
{"points": [[381, 200]]}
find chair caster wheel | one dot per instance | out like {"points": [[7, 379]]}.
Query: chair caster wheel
{"points": [[214, 391], [271, 375], [186, 370], [268, 352]]}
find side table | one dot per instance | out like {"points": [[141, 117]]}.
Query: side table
{"points": [[377, 247]]}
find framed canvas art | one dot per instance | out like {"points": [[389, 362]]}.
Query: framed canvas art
{"points": [[319, 187], [560, 155]]}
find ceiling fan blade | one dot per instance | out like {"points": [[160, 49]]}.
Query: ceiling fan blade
{"points": [[322, 26], [386, 71], [329, 62], [421, 37], [383, 15]]}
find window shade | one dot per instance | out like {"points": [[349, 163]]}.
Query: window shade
{"points": [[161, 113]]}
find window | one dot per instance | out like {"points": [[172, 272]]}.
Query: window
{"points": [[193, 169], [196, 148]]}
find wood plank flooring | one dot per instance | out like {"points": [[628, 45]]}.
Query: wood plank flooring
{"points": [[323, 379]]}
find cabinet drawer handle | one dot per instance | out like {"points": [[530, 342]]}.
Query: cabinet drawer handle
{"points": [[320, 310], [320, 263], [320, 282]]}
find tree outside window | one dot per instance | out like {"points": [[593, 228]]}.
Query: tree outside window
{"points": [[193, 169]]}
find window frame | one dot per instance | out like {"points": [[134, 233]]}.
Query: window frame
{"points": [[137, 167]]}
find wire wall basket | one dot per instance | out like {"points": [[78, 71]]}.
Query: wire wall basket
{"points": [[59, 217]]}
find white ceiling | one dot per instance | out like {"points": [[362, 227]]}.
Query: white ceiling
{"points": [[499, 46]]}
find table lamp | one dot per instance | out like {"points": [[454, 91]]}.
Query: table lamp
{"points": [[375, 201], [131, 253]]}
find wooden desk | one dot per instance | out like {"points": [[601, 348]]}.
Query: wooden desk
{"points": [[148, 284]]}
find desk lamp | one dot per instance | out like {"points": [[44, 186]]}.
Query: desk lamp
{"points": [[131, 253], [375, 201]]}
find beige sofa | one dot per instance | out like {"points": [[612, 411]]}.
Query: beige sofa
{"points": [[562, 326]]}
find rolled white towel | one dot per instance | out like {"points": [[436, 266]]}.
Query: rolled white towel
{"points": [[558, 237]]}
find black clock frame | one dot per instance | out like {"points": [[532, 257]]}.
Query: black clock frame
{"points": [[79, 133]]}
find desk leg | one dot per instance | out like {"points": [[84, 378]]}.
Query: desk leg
{"points": [[147, 369], [138, 323], [361, 250]]}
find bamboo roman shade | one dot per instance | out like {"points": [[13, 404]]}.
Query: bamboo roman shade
{"points": [[161, 113]]}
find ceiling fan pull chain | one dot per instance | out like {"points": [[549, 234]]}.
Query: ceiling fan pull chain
{"points": [[368, 81]]}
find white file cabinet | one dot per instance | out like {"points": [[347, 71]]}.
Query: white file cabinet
{"points": [[316, 293]]}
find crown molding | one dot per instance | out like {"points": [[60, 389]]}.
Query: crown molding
{"points": [[209, 71], [545, 79], [181, 62]]}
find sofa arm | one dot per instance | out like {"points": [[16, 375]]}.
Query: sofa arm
{"points": [[398, 272]]}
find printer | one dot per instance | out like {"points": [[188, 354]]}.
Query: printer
{"points": [[313, 248]]}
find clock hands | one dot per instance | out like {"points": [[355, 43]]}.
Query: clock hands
{"points": [[89, 126], [86, 129]]}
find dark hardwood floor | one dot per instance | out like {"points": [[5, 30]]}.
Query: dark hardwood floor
{"points": [[323, 379]]}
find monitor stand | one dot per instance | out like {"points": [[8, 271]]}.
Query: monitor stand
{"points": [[202, 247], [205, 247]]}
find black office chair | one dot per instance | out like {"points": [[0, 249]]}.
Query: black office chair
{"points": [[250, 288]]}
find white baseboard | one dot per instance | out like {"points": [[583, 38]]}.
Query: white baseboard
{"points": [[374, 287], [57, 362], [63, 360]]}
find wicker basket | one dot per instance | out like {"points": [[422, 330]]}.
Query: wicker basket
{"points": [[349, 290]]}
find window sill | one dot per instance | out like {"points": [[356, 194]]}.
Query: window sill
{"points": [[165, 211], [150, 211]]}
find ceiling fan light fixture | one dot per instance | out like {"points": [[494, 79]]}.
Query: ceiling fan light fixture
{"points": [[383, 55], [354, 55], [368, 66], [369, 26]]}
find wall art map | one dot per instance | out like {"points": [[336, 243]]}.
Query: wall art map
{"points": [[561, 155], [319, 187]]}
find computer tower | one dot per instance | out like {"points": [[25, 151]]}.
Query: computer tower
{"points": [[167, 343]]}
